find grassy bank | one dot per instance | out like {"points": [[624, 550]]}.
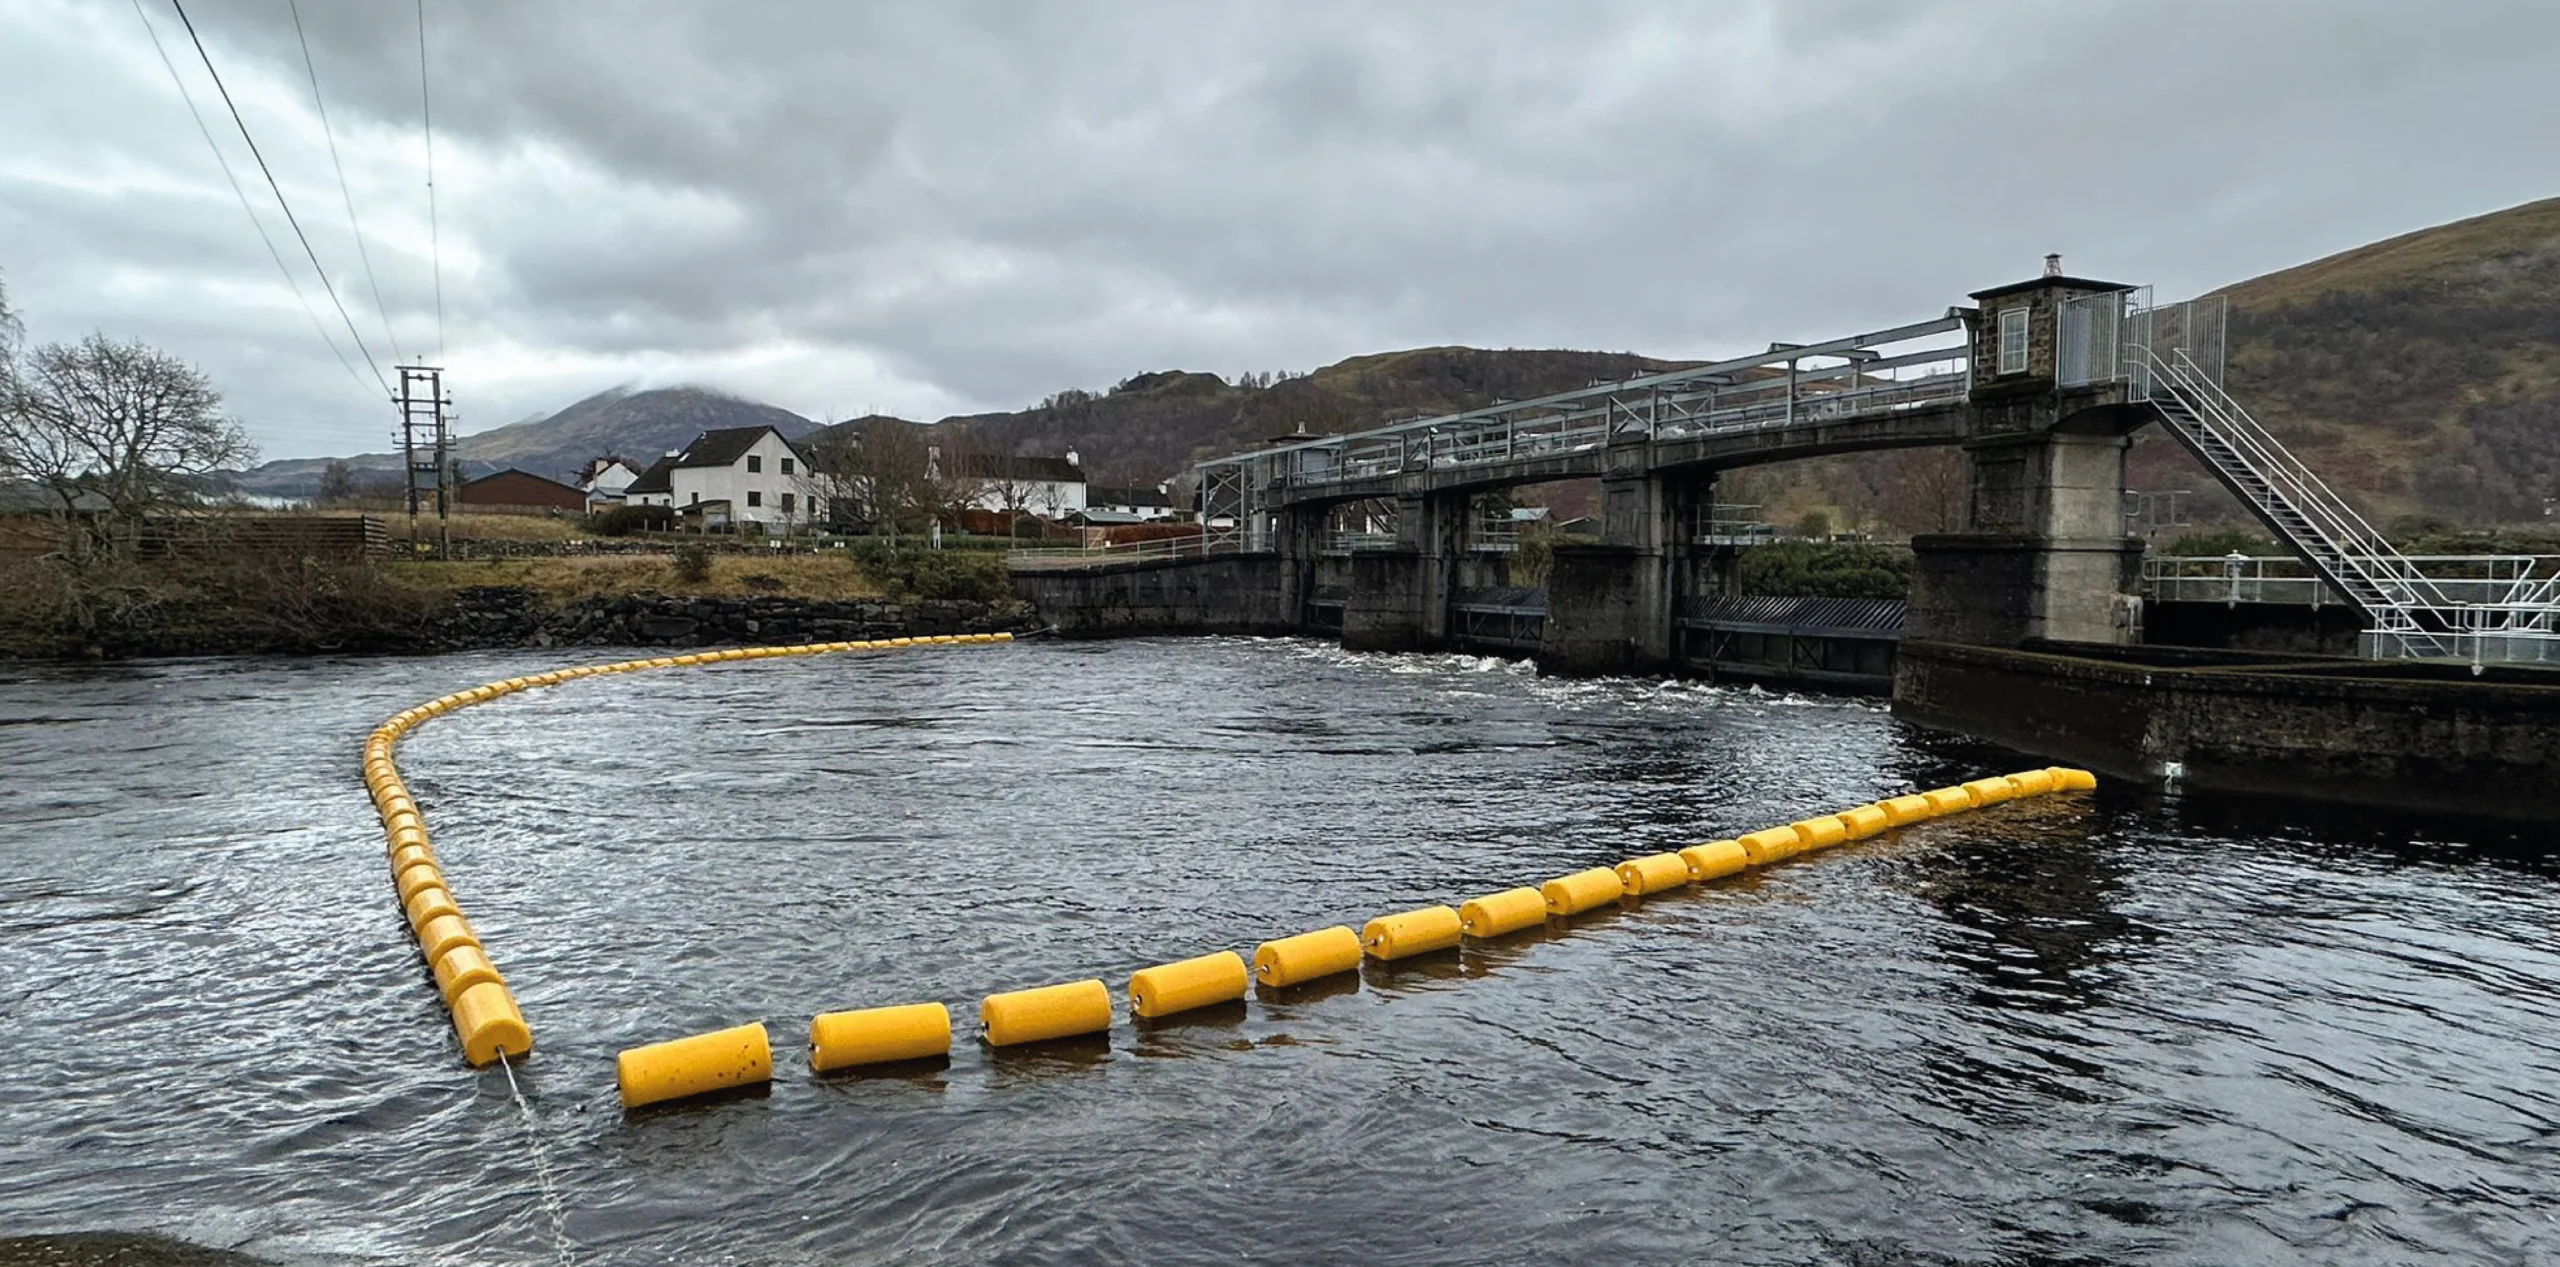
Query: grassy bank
{"points": [[568, 580]]}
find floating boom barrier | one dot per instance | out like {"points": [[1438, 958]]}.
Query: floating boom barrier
{"points": [[485, 1016], [491, 1027]]}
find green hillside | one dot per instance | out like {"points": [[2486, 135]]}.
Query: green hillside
{"points": [[2419, 376]]}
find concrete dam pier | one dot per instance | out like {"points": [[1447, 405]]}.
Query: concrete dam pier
{"points": [[2025, 627]]}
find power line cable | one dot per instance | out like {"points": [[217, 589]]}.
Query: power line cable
{"points": [[269, 173], [362, 253], [427, 128], [317, 326]]}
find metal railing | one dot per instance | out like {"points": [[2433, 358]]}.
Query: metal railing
{"points": [[1189, 545], [2468, 581]]}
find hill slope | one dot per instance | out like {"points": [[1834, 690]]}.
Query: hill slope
{"points": [[2420, 376]]}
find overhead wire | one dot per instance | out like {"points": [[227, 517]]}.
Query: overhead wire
{"points": [[278, 189], [427, 129], [318, 326], [353, 226]]}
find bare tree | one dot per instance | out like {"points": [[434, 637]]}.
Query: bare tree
{"points": [[128, 428], [337, 483]]}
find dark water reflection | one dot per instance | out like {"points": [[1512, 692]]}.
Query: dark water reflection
{"points": [[2141, 1031]]}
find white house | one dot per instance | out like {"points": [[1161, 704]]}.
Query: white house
{"points": [[605, 482], [735, 475], [1052, 488], [1137, 505]]}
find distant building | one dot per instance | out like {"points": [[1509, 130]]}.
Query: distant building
{"points": [[520, 490], [1052, 488], [735, 475], [607, 480], [1136, 505]]}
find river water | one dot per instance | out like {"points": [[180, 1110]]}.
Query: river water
{"points": [[2128, 1029]]}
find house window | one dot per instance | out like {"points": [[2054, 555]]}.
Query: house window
{"points": [[755, 465], [786, 468], [754, 498], [696, 499], [2013, 341], [786, 497]]}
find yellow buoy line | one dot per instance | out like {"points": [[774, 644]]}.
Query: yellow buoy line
{"points": [[485, 1015], [491, 1026], [730, 1058]]}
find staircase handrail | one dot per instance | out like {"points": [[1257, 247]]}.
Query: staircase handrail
{"points": [[2352, 542]]}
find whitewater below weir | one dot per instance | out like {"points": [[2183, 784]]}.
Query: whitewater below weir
{"points": [[2109, 1029]]}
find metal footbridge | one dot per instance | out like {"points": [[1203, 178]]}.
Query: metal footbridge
{"points": [[2118, 354]]}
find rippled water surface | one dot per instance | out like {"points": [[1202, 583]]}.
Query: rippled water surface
{"points": [[2122, 1031]]}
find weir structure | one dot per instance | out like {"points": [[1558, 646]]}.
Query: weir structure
{"points": [[1383, 537], [2040, 382]]}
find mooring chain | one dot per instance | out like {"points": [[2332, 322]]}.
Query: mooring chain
{"points": [[541, 1166]]}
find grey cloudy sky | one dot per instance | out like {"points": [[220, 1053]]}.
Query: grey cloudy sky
{"points": [[929, 208]]}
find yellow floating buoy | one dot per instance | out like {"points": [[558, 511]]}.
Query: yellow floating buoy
{"points": [[1902, 811], [1296, 960], [1652, 873], [428, 904], [1714, 860], [1409, 933], [879, 1035], [2066, 779], [1948, 800], [462, 968], [2032, 782], [721, 1060], [406, 856], [1990, 791], [1185, 984], [486, 1019], [1049, 1012], [1770, 844], [1582, 891], [438, 936], [1509, 911], [419, 875], [1819, 833], [1865, 821]]}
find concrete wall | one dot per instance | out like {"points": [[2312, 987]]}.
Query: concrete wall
{"points": [[2297, 628], [1239, 593], [2419, 737]]}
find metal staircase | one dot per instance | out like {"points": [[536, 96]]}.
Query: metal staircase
{"points": [[2408, 615]]}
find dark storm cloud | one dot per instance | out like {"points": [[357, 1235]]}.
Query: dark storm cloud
{"points": [[950, 206]]}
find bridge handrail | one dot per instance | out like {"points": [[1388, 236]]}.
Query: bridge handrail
{"points": [[1213, 541]]}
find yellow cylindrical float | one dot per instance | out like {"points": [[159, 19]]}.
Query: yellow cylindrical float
{"points": [[1652, 873], [878, 1035], [486, 1019], [1903, 811], [1768, 845], [420, 875], [1509, 911], [2032, 782], [1714, 860], [1990, 791], [1948, 800], [1819, 833], [438, 936], [429, 904], [721, 1060], [404, 857], [1582, 891], [1051, 1011], [1185, 984], [1296, 960], [460, 969], [2066, 779], [1409, 933], [1864, 821]]}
